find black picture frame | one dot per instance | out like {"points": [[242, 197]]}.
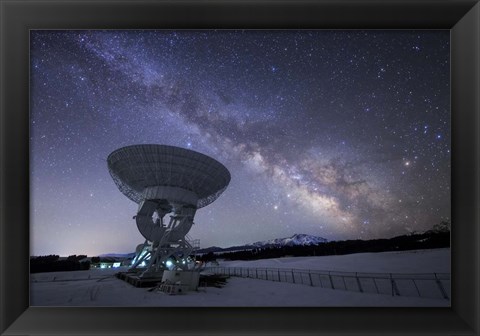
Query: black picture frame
{"points": [[17, 17]]}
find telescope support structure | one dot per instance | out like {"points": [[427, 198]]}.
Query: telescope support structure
{"points": [[163, 242]]}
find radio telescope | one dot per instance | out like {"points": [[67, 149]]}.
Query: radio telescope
{"points": [[165, 180]]}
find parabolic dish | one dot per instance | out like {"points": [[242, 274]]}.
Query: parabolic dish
{"points": [[134, 168]]}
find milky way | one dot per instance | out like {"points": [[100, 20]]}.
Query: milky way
{"points": [[339, 134]]}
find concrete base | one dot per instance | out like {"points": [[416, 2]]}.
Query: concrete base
{"points": [[135, 280], [189, 279]]}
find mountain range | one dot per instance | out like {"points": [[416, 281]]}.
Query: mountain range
{"points": [[116, 256], [296, 239]]}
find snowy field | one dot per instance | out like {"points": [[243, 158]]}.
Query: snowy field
{"points": [[416, 261], [98, 287]]}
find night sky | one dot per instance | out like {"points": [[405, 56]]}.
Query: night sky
{"points": [[338, 134]]}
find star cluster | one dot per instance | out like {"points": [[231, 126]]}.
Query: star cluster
{"points": [[340, 134]]}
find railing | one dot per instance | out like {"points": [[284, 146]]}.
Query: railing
{"points": [[61, 279], [428, 285], [194, 242]]}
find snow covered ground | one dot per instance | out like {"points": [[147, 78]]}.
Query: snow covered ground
{"points": [[98, 287], [416, 261]]}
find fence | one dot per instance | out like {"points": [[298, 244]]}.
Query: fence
{"points": [[61, 279], [428, 285]]}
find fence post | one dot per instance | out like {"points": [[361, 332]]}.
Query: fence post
{"points": [[331, 281], [256, 273], [439, 284], [376, 287], [394, 286], [416, 287], [391, 283], [279, 280], [358, 282], [293, 277], [310, 276]]}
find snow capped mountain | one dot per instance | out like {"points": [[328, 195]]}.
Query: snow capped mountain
{"points": [[118, 255], [296, 239]]}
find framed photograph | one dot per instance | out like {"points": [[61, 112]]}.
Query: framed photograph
{"points": [[240, 91]]}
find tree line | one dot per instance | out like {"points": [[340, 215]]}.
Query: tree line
{"points": [[53, 263], [438, 237]]}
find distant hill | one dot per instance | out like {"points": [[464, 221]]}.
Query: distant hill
{"points": [[299, 245], [295, 240], [211, 249], [112, 257]]}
